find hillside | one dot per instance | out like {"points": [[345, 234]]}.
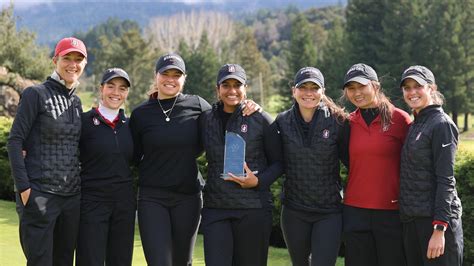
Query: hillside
{"points": [[53, 20]]}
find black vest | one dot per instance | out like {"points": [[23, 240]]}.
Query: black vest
{"points": [[60, 126], [219, 193], [312, 180]]}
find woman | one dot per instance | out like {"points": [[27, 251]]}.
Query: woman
{"points": [[237, 214], [429, 205], [107, 222], [372, 227], [166, 137], [43, 148], [313, 144]]}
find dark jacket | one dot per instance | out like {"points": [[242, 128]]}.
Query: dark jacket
{"points": [[106, 154], [256, 131], [311, 161], [427, 183], [48, 127], [167, 151]]}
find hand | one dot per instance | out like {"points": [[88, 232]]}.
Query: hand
{"points": [[25, 196], [249, 181], [250, 107], [436, 245]]}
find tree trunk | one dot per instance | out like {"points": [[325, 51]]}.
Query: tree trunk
{"points": [[455, 118], [466, 121]]}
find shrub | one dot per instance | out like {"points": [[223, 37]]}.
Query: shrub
{"points": [[464, 172], [6, 181]]}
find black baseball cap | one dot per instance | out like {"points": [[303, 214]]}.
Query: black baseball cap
{"points": [[309, 74], [360, 73], [420, 74], [115, 72], [231, 71], [170, 61]]}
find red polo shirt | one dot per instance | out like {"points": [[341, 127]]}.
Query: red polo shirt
{"points": [[374, 174]]}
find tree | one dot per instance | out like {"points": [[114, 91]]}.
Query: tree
{"points": [[302, 50], [18, 51], [403, 38], [301, 53], [201, 67], [466, 65], [446, 52], [333, 63], [132, 53], [364, 30], [110, 29], [244, 51], [167, 31]]}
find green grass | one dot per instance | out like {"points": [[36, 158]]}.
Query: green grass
{"points": [[88, 99], [466, 145], [12, 255]]}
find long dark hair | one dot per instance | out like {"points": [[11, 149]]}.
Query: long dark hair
{"points": [[383, 104]]}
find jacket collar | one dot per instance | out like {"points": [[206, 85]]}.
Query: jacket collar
{"points": [[427, 111]]}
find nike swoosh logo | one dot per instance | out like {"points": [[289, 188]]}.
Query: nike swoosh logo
{"points": [[445, 145]]}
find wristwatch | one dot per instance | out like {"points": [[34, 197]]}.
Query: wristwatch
{"points": [[439, 227]]}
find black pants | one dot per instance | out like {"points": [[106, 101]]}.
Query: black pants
{"points": [[236, 237], [372, 237], [168, 232], [106, 233], [48, 228], [417, 234], [315, 234]]}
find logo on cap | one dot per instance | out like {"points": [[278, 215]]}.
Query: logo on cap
{"points": [[231, 68], [358, 67], [74, 42], [416, 68]]}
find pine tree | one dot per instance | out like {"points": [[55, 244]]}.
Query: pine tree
{"points": [[18, 51], [110, 29], [466, 65], [302, 51], [202, 66], [404, 42], [334, 63], [132, 53], [446, 52], [364, 30], [245, 52]]}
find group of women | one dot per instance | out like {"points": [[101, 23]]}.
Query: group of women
{"points": [[399, 207]]}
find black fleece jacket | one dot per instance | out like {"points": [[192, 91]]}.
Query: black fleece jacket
{"points": [[106, 154], [167, 151]]}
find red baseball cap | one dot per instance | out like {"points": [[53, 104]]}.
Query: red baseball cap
{"points": [[70, 44]]}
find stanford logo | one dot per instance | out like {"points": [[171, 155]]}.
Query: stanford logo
{"points": [[231, 68], [325, 133], [243, 128], [95, 121]]}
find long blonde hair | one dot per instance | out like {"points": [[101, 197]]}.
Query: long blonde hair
{"points": [[338, 111]]}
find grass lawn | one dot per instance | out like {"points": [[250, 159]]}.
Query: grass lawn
{"points": [[12, 255], [466, 145]]}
